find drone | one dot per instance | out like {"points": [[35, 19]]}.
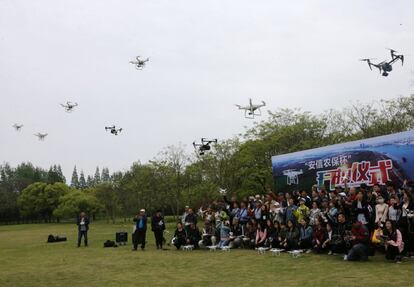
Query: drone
{"points": [[292, 176], [17, 127], [69, 106], [139, 64], [41, 136], [113, 130], [250, 110], [385, 67], [204, 145]]}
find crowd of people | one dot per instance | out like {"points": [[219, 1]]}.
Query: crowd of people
{"points": [[355, 222]]}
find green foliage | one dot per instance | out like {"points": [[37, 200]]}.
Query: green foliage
{"points": [[75, 201], [39, 200]]}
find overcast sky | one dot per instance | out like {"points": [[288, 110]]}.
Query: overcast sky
{"points": [[205, 56]]}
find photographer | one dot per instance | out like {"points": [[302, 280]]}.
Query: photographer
{"points": [[140, 230]]}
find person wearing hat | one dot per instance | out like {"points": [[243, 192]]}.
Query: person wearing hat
{"points": [[140, 230], [158, 227], [302, 211]]}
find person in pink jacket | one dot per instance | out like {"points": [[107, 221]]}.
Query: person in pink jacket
{"points": [[393, 242]]}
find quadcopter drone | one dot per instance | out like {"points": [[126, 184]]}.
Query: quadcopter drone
{"points": [[139, 64], [113, 130], [250, 110], [41, 136], [385, 67], [69, 106], [204, 146], [17, 127]]}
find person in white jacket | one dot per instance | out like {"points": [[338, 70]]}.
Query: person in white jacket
{"points": [[381, 211]]}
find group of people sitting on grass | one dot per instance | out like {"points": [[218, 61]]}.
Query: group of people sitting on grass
{"points": [[355, 222]]}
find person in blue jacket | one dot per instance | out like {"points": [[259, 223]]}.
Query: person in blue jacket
{"points": [[139, 235]]}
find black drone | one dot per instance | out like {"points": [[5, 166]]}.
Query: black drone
{"points": [[17, 127], [138, 63], [204, 146], [113, 130], [386, 67], [69, 106]]}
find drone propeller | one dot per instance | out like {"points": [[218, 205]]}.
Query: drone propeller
{"points": [[392, 50]]}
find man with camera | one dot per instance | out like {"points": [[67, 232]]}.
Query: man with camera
{"points": [[140, 230]]}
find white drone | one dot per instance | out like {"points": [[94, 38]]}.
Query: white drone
{"points": [[139, 64], [69, 106], [41, 136], [250, 110], [17, 127]]}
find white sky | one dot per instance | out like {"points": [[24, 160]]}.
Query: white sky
{"points": [[205, 56]]}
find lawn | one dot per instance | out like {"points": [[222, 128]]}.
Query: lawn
{"points": [[26, 260]]}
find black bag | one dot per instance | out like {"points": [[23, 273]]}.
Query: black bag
{"points": [[121, 237], [110, 243], [51, 238]]}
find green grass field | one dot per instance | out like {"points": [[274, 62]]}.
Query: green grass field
{"points": [[26, 260]]}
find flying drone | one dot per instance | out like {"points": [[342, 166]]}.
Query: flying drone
{"points": [[385, 67], [204, 145], [69, 106], [139, 64], [17, 127], [41, 136], [113, 130], [250, 110]]}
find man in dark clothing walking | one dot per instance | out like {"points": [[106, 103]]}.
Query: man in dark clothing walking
{"points": [[138, 237], [83, 227], [158, 227]]}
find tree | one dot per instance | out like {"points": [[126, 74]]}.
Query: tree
{"points": [[75, 179], [97, 177], [105, 175], [39, 200], [89, 181], [106, 195], [76, 201], [82, 181]]}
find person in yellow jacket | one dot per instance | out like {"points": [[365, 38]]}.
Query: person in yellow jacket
{"points": [[302, 211]]}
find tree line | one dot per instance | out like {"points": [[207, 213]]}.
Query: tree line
{"points": [[174, 178]]}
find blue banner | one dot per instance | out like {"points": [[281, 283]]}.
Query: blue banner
{"points": [[369, 161]]}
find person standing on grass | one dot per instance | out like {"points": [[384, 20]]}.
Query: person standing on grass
{"points": [[138, 237], [83, 227], [158, 227]]}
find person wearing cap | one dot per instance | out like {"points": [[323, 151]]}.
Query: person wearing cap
{"points": [[290, 211], [302, 211], [139, 235], [158, 227]]}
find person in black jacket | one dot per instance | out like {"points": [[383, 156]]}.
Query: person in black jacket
{"points": [[158, 227], [180, 236], [138, 237], [83, 227]]}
